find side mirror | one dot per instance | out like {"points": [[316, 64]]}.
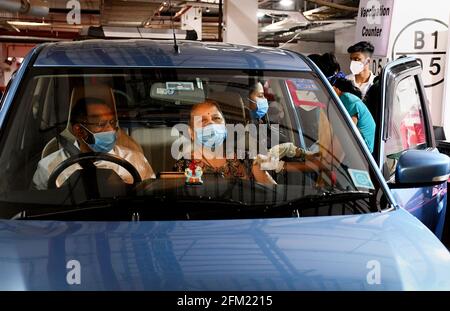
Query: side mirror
{"points": [[416, 168]]}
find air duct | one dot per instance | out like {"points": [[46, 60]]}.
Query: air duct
{"points": [[23, 7]]}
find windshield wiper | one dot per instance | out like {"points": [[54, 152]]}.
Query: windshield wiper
{"points": [[39, 212], [157, 205], [327, 197]]}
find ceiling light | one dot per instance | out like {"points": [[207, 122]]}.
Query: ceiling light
{"points": [[286, 2], [207, 10], [260, 14], [34, 24]]}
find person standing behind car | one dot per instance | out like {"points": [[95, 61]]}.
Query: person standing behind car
{"points": [[362, 77], [330, 67], [358, 111]]}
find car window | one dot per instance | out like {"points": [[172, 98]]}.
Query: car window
{"points": [[299, 148], [407, 128]]}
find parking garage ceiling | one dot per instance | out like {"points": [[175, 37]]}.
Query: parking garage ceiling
{"points": [[45, 20]]}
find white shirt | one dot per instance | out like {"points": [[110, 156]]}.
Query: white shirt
{"points": [[363, 87], [47, 165]]}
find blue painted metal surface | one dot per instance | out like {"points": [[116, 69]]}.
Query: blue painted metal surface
{"points": [[422, 166], [150, 53], [317, 253]]}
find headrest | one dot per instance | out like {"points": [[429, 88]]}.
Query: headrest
{"points": [[103, 92], [230, 103]]}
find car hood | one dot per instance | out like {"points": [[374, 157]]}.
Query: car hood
{"points": [[382, 251]]}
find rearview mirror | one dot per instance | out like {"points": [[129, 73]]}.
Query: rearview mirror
{"points": [[420, 167]]}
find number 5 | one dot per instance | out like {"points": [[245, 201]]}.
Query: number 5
{"points": [[436, 65]]}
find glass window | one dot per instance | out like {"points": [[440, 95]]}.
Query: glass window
{"points": [[406, 126], [199, 138]]}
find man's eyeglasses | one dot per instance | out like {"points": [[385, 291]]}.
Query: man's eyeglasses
{"points": [[102, 124]]}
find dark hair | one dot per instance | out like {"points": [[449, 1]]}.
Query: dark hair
{"points": [[362, 47], [79, 110], [255, 86], [346, 86], [329, 64], [315, 58], [206, 102]]}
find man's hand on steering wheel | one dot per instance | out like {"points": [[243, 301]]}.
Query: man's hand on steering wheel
{"points": [[91, 157]]}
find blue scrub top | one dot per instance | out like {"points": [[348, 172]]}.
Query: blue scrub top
{"points": [[366, 123]]}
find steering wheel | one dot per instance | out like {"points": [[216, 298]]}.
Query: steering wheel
{"points": [[87, 159]]}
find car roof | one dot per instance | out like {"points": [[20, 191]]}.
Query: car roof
{"points": [[159, 53]]}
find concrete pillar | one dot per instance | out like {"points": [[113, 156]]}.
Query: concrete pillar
{"points": [[240, 22]]}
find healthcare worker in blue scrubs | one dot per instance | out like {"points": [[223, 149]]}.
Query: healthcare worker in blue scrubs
{"points": [[359, 112]]}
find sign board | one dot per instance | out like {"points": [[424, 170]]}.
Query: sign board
{"points": [[416, 29], [421, 31], [374, 23], [426, 40]]}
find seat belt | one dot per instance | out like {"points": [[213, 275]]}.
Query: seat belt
{"points": [[67, 145], [89, 184]]}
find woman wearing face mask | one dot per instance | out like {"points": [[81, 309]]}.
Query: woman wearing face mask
{"points": [[362, 77], [258, 105], [208, 133]]}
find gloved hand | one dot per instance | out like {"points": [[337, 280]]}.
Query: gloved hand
{"points": [[290, 150], [272, 161]]}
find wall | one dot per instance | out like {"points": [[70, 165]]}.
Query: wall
{"points": [[240, 21], [344, 38], [310, 47], [17, 50]]}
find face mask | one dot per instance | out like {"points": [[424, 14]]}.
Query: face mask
{"points": [[262, 106], [212, 135], [103, 141], [357, 67]]}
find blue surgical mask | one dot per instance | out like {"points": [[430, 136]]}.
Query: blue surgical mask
{"points": [[103, 141], [212, 135], [262, 106]]}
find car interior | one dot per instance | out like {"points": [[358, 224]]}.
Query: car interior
{"points": [[148, 109]]}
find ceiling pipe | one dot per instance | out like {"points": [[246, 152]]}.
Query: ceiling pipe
{"points": [[23, 7]]}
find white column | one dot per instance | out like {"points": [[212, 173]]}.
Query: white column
{"points": [[240, 22], [446, 97]]}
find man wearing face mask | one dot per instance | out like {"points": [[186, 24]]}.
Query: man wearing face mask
{"points": [[360, 55], [94, 125]]}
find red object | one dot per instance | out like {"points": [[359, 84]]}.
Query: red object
{"points": [[298, 102], [333, 178], [192, 166]]}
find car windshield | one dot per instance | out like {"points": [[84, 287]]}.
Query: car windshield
{"points": [[145, 143]]}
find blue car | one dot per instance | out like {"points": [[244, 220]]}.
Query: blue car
{"points": [[131, 165]]}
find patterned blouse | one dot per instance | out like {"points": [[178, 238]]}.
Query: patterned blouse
{"points": [[232, 168]]}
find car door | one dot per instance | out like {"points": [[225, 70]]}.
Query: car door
{"points": [[404, 123]]}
